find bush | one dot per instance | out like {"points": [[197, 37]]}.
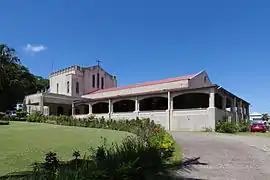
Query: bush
{"points": [[4, 123], [226, 127], [13, 118], [133, 158], [244, 126], [21, 114], [36, 117], [2, 115]]}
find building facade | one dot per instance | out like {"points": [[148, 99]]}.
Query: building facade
{"points": [[190, 102]]}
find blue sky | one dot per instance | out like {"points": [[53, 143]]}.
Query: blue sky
{"points": [[147, 40]]}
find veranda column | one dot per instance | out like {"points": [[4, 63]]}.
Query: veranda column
{"points": [[234, 110], [110, 108], [90, 108], [137, 107], [41, 104], [241, 112], [247, 112], [169, 112], [212, 110], [73, 109], [224, 105], [212, 99]]}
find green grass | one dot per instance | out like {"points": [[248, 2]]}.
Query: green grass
{"points": [[267, 134], [22, 144]]}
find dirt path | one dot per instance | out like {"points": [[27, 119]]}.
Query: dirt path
{"points": [[228, 156]]}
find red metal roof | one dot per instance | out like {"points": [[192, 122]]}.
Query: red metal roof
{"points": [[145, 84]]}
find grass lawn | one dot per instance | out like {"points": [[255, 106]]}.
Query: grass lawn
{"points": [[22, 144]]}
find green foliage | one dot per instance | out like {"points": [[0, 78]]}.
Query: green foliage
{"points": [[16, 81], [21, 114], [133, 158], [4, 123], [244, 126], [2, 114], [226, 127], [265, 117], [36, 117]]}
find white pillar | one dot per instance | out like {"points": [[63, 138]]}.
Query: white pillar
{"points": [[169, 100], [73, 109], [234, 110], [110, 108], [90, 108], [137, 104], [212, 99], [169, 111], [224, 102], [41, 104]]}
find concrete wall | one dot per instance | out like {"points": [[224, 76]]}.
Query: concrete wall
{"points": [[191, 120], [137, 90], [81, 75], [200, 80], [61, 79], [33, 98]]}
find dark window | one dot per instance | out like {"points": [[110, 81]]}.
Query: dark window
{"points": [[154, 103], [77, 88], [97, 80], [57, 88], [77, 111], [102, 83], [68, 87], [93, 81]]}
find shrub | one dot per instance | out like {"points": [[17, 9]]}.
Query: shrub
{"points": [[21, 114], [36, 117], [133, 158], [4, 122], [226, 127], [244, 126], [2, 114]]}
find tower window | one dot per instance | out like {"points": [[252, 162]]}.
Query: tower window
{"points": [[77, 88], [102, 83], [93, 81], [68, 87], [97, 80]]}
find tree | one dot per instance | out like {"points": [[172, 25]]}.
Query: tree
{"points": [[8, 59], [265, 117], [16, 81]]}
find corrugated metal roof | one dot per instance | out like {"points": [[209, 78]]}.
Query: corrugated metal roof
{"points": [[145, 84]]}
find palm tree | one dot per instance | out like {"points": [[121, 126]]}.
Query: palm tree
{"points": [[8, 59]]}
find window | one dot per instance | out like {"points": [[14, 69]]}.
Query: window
{"points": [[68, 87], [102, 83], [57, 88], [93, 81], [97, 80], [77, 88]]}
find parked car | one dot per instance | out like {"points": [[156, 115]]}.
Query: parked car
{"points": [[11, 113], [258, 127]]}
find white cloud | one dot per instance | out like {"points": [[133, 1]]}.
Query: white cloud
{"points": [[34, 48]]}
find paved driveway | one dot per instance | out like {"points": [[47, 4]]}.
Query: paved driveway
{"points": [[228, 156]]}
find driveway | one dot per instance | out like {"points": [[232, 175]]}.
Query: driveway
{"points": [[228, 156]]}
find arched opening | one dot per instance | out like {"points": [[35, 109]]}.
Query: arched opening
{"points": [[154, 103], [101, 107], [191, 100], [124, 106], [60, 110], [218, 101]]}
